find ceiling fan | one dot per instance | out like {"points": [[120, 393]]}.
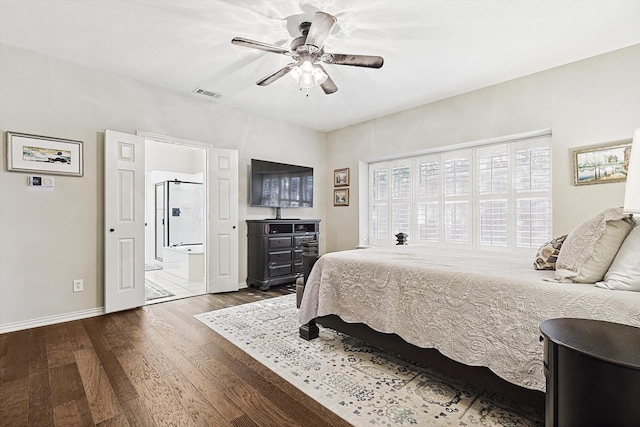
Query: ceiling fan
{"points": [[308, 53]]}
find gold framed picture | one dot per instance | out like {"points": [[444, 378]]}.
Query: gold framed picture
{"points": [[341, 197], [608, 163], [341, 177]]}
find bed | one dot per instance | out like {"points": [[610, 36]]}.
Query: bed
{"points": [[478, 308]]}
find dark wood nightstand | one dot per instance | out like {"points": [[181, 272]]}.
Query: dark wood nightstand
{"points": [[593, 373]]}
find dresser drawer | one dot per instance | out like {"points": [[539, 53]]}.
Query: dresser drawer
{"points": [[279, 242], [281, 270], [279, 257]]}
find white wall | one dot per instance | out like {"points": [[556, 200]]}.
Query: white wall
{"points": [[48, 237], [51, 236], [160, 156], [585, 103]]}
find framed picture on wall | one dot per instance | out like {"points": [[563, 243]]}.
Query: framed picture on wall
{"points": [[341, 177], [34, 153], [608, 163], [341, 197]]}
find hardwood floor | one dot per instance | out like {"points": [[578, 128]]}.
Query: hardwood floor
{"points": [[153, 366]]}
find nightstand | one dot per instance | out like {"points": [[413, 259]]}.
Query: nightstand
{"points": [[593, 373]]}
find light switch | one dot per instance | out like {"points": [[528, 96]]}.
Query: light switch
{"points": [[34, 180], [40, 181]]}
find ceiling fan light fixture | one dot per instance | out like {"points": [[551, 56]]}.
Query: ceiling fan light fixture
{"points": [[308, 75], [306, 81], [295, 73], [306, 66], [319, 76]]}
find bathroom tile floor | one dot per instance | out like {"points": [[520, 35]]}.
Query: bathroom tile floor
{"points": [[181, 288]]}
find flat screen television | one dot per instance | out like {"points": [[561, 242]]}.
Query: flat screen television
{"points": [[280, 185]]}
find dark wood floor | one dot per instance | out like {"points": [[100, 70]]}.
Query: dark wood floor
{"points": [[152, 366]]}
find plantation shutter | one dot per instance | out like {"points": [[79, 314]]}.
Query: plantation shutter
{"points": [[401, 197], [428, 197], [497, 194], [379, 195], [457, 197], [533, 187], [493, 192]]}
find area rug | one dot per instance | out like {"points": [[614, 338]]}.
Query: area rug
{"points": [[154, 291], [361, 384]]}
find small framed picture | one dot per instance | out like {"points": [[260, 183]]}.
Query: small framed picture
{"points": [[608, 163], [34, 153], [341, 197], [341, 177]]}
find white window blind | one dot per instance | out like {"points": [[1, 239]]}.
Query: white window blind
{"points": [[428, 198], [457, 222], [494, 195], [457, 196], [401, 197], [379, 233]]}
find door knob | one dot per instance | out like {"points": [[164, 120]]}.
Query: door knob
{"points": [[112, 230]]}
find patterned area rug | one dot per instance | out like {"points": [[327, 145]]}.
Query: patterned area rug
{"points": [[363, 385], [154, 291]]}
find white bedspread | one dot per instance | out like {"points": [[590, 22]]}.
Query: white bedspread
{"points": [[478, 308]]}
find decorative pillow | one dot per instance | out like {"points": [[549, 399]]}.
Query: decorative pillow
{"points": [[588, 251], [548, 254], [624, 273]]}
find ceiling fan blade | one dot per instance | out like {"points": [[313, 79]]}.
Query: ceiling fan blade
{"points": [[353, 60], [328, 86], [275, 76], [241, 41], [321, 26]]}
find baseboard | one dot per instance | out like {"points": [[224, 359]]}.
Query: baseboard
{"points": [[50, 320]]}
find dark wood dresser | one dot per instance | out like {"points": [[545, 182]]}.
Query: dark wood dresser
{"points": [[593, 373], [275, 250]]}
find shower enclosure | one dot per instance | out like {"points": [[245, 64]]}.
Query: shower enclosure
{"points": [[179, 215]]}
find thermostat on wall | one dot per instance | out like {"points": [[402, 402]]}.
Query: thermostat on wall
{"points": [[40, 181]]}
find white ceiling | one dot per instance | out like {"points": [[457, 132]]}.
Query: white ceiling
{"points": [[432, 49]]}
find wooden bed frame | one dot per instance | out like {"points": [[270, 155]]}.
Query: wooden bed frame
{"points": [[479, 376]]}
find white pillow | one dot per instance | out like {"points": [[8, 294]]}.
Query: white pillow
{"points": [[589, 250], [624, 273]]}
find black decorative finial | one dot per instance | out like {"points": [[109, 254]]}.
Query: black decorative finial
{"points": [[402, 238]]}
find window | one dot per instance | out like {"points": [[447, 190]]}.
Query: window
{"points": [[491, 195]]}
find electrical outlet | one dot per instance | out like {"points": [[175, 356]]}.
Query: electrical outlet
{"points": [[78, 285]]}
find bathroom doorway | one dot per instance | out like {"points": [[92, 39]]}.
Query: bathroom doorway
{"points": [[175, 221]]}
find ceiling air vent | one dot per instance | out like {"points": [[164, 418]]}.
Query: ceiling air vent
{"points": [[206, 92]]}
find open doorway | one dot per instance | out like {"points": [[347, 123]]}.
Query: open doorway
{"points": [[175, 221]]}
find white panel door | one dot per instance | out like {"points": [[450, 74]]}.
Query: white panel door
{"points": [[124, 221], [222, 250]]}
